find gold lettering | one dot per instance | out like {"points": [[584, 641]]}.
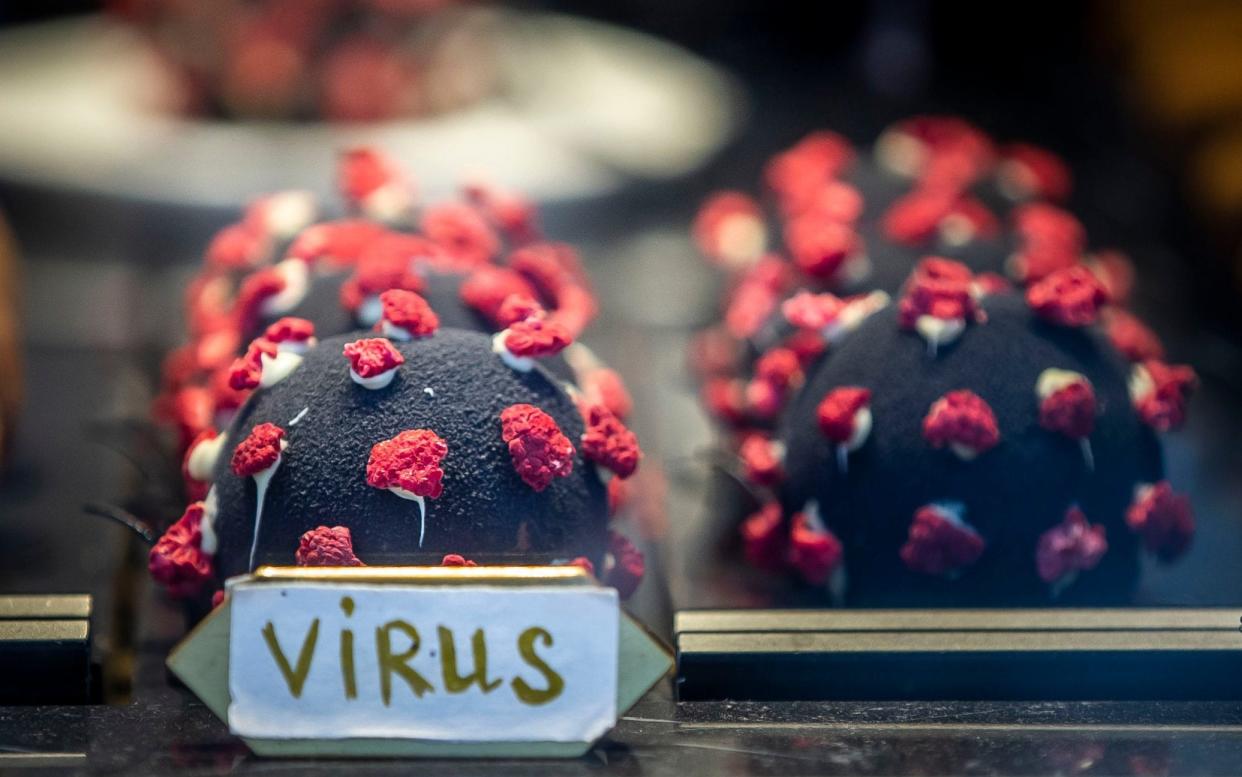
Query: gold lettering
{"points": [[453, 681], [390, 663], [347, 652], [526, 648], [295, 678]]}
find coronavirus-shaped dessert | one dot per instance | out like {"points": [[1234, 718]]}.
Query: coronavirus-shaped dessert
{"points": [[399, 450], [951, 405]]}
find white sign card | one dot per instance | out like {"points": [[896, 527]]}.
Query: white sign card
{"points": [[312, 660]]}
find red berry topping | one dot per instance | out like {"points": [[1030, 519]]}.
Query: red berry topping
{"points": [[991, 283], [1069, 297], [963, 420], [410, 461], [407, 310], [1115, 270], [915, 218], [463, 231], [535, 337], [237, 247], [257, 288], [247, 371], [177, 561], [814, 551], [729, 228], [363, 171], [289, 330], [1131, 336], [1163, 519], [805, 310], [820, 247], [1041, 222], [557, 274], [259, 451], [512, 214], [619, 494], [1068, 408], [835, 201], [838, 411], [939, 288], [609, 443], [604, 386], [725, 399], [940, 543], [1160, 392], [1070, 547], [539, 450], [777, 373], [456, 560], [518, 307], [1031, 171], [796, 174], [225, 397], [624, 567], [486, 289], [372, 356], [764, 539], [217, 598], [761, 460], [336, 243], [376, 273], [755, 296], [327, 546]]}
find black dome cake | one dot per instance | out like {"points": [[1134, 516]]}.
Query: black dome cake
{"points": [[983, 432]]}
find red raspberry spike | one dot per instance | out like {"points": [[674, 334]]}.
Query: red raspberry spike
{"points": [[795, 174], [1160, 393], [372, 356], [515, 216], [765, 539], [777, 374], [1163, 519], [223, 395], [914, 219], [376, 273], [363, 171], [259, 451], [619, 495], [327, 546], [217, 598], [258, 287], [964, 421], [1070, 547], [805, 310], [246, 371], [625, 565], [729, 229], [1115, 270], [986, 283], [1067, 403], [756, 294], [938, 300], [539, 450], [535, 337], [456, 560], [462, 231], [605, 386], [518, 307], [609, 443], [335, 243], [762, 460], [190, 411], [834, 201], [819, 247], [939, 542], [237, 247], [1069, 297], [725, 400], [289, 330], [1039, 224], [814, 551], [177, 560], [487, 288], [838, 410], [409, 312], [1134, 339], [410, 461], [1027, 170]]}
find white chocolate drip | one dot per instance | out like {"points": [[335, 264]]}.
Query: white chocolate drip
{"points": [[519, 363]]}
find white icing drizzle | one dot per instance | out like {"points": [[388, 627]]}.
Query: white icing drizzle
{"points": [[261, 481], [1053, 379], [297, 347], [861, 431], [1140, 383], [301, 414], [277, 368], [519, 363], [429, 391], [422, 509], [211, 506], [390, 202], [286, 213], [375, 381], [203, 456], [394, 332], [370, 311], [297, 282], [939, 331]]}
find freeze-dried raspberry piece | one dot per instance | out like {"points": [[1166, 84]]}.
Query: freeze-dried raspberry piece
{"points": [[462, 231], [814, 551], [409, 462], [378, 273], [1162, 518], [514, 215], [327, 546], [1067, 403], [408, 313], [1070, 547], [838, 412], [609, 443], [940, 542], [247, 371], [177, 560], [364, 172], [290, 330], [372, 356], [805, 310], [1069, 297], [764, 538], [487, 288], [1160, 393], [963, 421], [1131, 336], [821, 247], [259, 451], [237, 247], [456, 560], [1027, 170], [518, 307], [539, 450], [535, 337], [335, 243], [624, 565], [762, 460], [795, 174]]}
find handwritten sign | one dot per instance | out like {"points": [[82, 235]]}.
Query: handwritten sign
{"points": [[438, 663]]}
